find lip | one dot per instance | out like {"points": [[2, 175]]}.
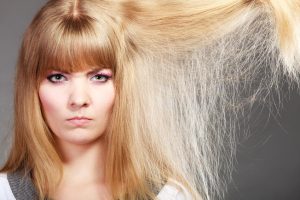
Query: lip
{"points": [[79, 121]]}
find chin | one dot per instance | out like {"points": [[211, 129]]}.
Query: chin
{"points": [[79, 138]]}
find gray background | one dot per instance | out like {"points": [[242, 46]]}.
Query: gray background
{"points": [[268, 162]]}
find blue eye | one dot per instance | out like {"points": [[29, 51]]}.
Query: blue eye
{"points": [[56, 78], [101, 78]]}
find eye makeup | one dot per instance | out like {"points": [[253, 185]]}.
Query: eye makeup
{"points": [[56, 77], [101, 76]]}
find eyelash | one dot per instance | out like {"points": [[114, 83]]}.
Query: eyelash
{"points": [[52, 76], [58, 77], [105, 76]]}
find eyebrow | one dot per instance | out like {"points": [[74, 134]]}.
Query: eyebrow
{"points": [[94, 71], [89, 70]]}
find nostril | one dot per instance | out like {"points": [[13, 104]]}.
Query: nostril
{"points": [[79, 93], [79, 104]]}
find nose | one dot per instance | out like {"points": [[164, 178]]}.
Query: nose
{"points": [[79, 96]]}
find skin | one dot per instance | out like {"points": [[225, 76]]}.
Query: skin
{"points": [[77, 107]]}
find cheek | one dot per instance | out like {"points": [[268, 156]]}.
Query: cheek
{"points": [[104, 101], [49, 100], [110, 99]]}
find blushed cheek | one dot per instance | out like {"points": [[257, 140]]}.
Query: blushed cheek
{"points": [[48, 101]]}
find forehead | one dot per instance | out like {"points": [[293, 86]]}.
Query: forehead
{"points": [[76, 48], [78, 54]]}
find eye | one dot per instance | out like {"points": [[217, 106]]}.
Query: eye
{"points": [[56, 78], [101, 77]]}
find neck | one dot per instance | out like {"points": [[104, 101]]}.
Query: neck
{"points": [[84, 162]]}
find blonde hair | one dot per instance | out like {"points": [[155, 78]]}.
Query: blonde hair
{"points": [[184, 72]]}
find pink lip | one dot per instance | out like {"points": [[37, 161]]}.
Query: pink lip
{"points": [[79, 121]]}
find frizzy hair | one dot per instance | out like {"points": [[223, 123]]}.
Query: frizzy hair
{"points": [[184, 72]]}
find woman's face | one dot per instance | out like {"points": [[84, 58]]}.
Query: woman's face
{"points": [[77, 106]]}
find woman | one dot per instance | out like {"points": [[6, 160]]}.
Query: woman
{"points": [[139, 99]]}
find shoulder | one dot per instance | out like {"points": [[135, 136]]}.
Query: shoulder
{"points": [[5, 190], [173, 190]]}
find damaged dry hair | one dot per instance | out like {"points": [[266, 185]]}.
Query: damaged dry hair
{"points": [[184, 70]]}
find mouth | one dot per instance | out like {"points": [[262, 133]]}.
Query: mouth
{"points": [[79, 121]]}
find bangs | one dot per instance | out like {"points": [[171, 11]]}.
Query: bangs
{"points": [[76, 45]]}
